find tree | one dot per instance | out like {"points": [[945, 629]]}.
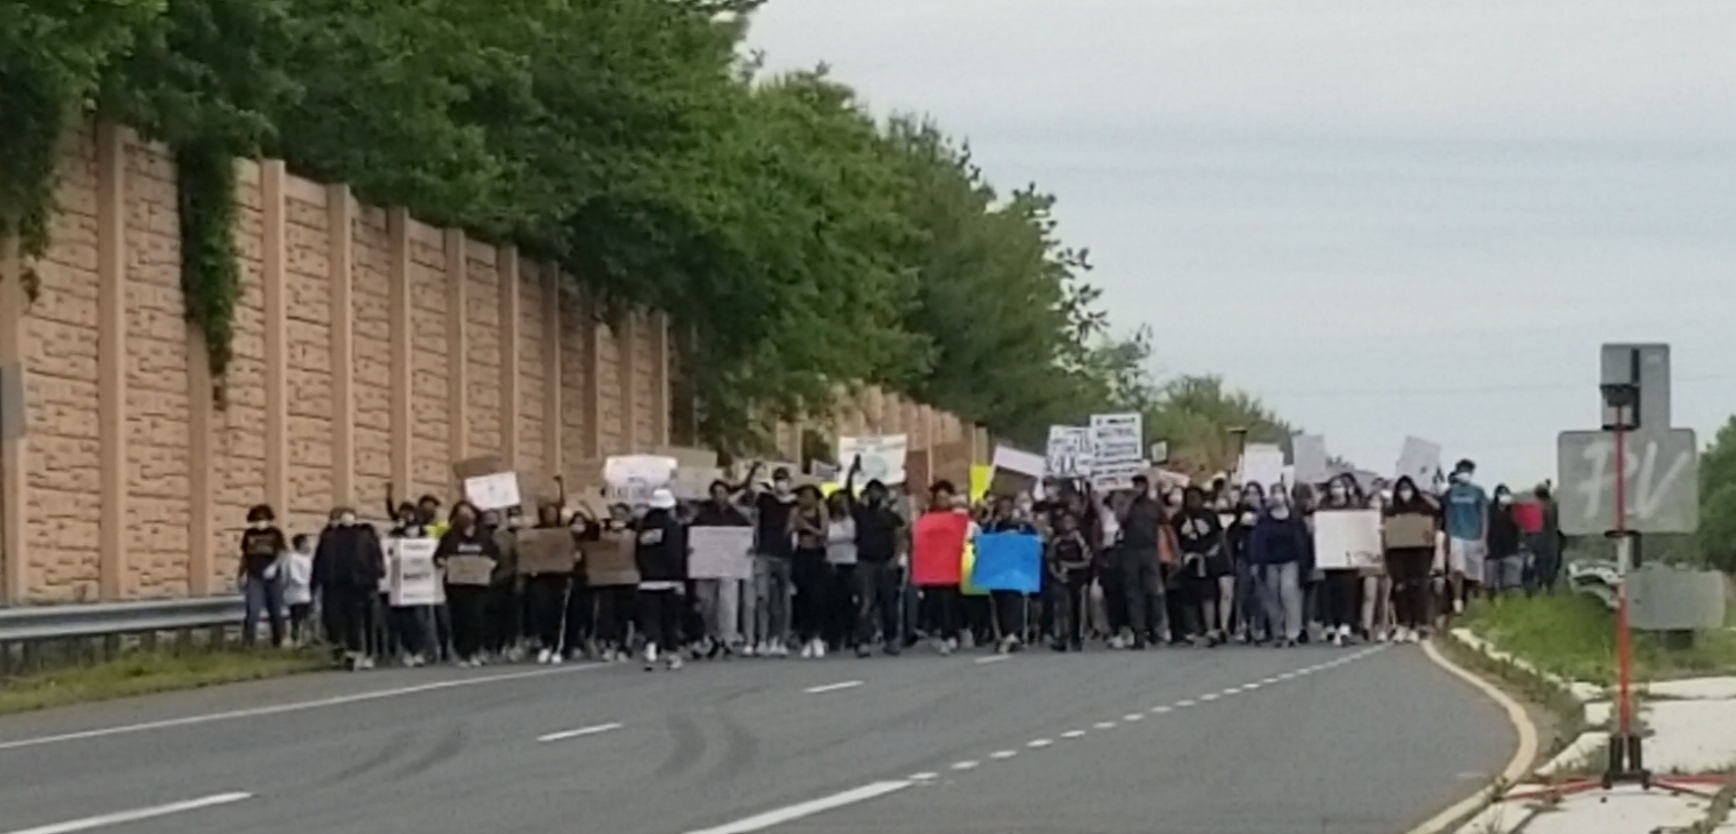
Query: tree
{"points": [[1195, 415]]}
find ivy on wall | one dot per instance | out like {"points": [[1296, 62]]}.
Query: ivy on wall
{"points": [[210, 276]]}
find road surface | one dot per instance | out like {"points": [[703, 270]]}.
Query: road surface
{"points": [[1253, 741]]}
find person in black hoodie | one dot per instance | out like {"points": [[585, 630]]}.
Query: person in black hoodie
{"points": [[1200, 537], [878, 529], [1505, 570], [348, 565], [1009, 606], [1069, 562], [1284, 550], [661, 556], [1250, 607], [466, 537], [262, 545], [1408, 565]]}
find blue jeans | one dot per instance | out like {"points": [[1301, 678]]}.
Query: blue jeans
{"points": [[1283, 586], [771, 595], [261, 594]]}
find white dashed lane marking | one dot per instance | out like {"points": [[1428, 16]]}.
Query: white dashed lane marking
{"points": [[967, 764], [1040, 743], [1073, 734], [1003, 754], [1104, 725]]}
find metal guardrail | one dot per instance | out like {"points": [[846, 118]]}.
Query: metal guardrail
{"points": [[58, 622]]}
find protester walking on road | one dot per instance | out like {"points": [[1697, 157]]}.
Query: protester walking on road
{"points": [[263, 547], [661, 556], [770, 609], [348, 565], [1142, 579], [1410, 552], [1466, 509], [878, 530], [467, 537], [1284, 551]]}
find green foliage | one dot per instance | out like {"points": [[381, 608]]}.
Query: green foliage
{"points": [[1714, 544], [1195, 415], [1573, 635], [797, 243]]}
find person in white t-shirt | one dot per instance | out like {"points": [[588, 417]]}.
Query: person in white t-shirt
{"points": [[296, 570]]}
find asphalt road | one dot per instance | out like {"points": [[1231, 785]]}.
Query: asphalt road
{"points": [[1252, 741]]}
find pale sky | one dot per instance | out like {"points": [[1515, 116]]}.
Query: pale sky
{"points": [[1385, 217]]}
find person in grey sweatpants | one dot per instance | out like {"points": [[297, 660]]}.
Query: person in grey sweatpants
{"points": [[1284, 551]]}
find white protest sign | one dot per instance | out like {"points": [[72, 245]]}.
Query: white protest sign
{"points": [[882, 456], [1069, 452], [1310, 456], [1117, 449], [1261, 463], [720, 552], [1160, 452], [1347, 539], [1420, 460], [1023, 463], [496, 491], [411, 574], [630, 479]]}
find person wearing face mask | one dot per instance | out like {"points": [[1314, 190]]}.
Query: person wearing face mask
{"points": [[1466, 520], [1505, 568], [1409, 537], [505, 608], [413, 630], [467, 536], [1068, 561], [879, 529], [1009, 606], [348, 565], [1340, 607], [773, 547], [809, 572], [1200, 539], [262, 548], [1283, 549], [1250, 604], [1546, 544]]}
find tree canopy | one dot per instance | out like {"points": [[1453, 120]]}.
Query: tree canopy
{"points": [[797, 242]]}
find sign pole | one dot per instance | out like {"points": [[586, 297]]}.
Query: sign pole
{"points": [[1624, 747]]}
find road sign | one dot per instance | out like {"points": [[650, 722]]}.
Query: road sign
{"points": [[1663, 482]]}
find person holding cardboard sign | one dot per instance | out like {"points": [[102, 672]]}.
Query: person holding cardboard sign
{"points": [[546, 556], [1409, 539], [466, 538]]}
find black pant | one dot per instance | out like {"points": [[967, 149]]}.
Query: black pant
{"points": [[841, 606], [407, 625], [345, 611], [298, 612], [1142, 582], [1009, 613], [547, 596], [615, 604], [809, 573], [469, 605], [876, 594], [1409, 570], [940, 610], [502, 616], [1339, 603], [660, 618], [1069, 597], [581, 615]]}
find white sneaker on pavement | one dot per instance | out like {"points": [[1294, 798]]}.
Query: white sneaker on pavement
{"points": [[819, 649], [542, 657]]}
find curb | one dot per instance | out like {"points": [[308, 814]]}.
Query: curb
{"points": [[1516, 768]]}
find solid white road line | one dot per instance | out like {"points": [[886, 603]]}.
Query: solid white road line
{"points": [[832, 687], [788, 813], [993, 658], [582, 731], [293, 706], [136, 815]]}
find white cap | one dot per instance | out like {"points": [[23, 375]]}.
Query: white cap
{"points": [[662, 499]]}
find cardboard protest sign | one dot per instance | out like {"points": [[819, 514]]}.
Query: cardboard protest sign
{"points": [[1410, 530], [410, 570], [720, 552], [469, 570], [1347, 539], [917, 472], [609, 559], [1015, 471], [951, 462], [497, 491], [546, 550]]}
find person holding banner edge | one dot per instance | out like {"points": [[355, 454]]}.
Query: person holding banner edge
{"points": [[878, 530]]}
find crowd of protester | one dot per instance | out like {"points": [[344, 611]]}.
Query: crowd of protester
{"points": [[1202, 565]]}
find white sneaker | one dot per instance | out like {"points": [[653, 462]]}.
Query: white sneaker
{"points": [[556, 658], [650, 652], [808, 649], [674, 661], [1458, 606], [1338, 639], [748, 650], [1344, 631], [542, 657], [779, 649], [365, 663], [819, 649]]}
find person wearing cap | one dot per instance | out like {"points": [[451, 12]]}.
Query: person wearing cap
{"points": [[660, 553]]}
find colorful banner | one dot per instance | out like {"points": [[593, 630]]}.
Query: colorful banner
{"points": [[937, 548], [1008, 562]]}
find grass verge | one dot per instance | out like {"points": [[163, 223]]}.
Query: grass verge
{"points": [[145, 672], [1573, 635]]}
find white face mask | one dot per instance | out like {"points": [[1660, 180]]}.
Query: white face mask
{"points": [[347, 519], [781, 487], [261, 525], [1249, 518], [1461, 477], [1338, 493], [1280, 513], [1405, 495], [1505, 500]]}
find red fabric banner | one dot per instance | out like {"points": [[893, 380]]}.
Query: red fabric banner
{"points": [[937, 548]]}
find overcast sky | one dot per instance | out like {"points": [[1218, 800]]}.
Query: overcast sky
{"points": [[1385, 217]]}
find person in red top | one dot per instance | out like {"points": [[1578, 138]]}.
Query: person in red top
{"points": [[937, 562]]}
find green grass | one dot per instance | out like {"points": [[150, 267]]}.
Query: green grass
{"points": [[1573, 635], [145, 672]]}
